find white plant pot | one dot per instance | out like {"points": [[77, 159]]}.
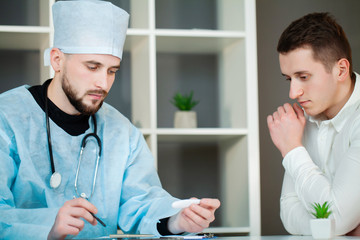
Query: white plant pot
{"points": [[185, 119], [322, 228]]}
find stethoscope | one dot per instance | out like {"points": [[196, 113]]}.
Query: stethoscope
{"points": [[55, 179]]}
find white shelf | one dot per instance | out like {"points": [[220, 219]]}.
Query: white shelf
{"points": [[133, 41], [24, 29], [193, 33], [146, 131], [137, 32], [24, 37], [203, 131], [198, 134], [196, 41]]}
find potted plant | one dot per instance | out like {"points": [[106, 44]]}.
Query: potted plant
{"points": [[322, 227], [184, 117]]}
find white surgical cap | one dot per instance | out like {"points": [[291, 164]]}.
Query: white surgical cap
{"points": [[88, 27]]}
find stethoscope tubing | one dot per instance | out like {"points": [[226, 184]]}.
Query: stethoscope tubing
{"points": [[48, 134], [83, 144]]}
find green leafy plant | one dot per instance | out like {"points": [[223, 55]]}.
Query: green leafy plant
{"points": [[321, 211], [184, 102]]}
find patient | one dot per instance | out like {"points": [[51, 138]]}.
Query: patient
{"points": [[319, 138]]}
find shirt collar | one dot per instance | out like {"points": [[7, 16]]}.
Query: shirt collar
{"points": [[340, 119]]}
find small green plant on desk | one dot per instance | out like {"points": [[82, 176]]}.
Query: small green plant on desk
{"points": [[322, 227], [321, 211], [184, 102]]}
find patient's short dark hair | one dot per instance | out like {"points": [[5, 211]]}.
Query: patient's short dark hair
{"points": [[322, 34]]}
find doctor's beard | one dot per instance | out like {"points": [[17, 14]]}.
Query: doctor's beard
{"points": [[77, 102]]}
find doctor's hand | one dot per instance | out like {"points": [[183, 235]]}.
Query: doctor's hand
{"points": [[194, 218], [286, 127], [68, 222]]}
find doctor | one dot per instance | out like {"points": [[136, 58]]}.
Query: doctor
{"points": [[47, 188]]}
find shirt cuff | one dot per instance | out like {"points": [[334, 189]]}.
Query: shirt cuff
{"points": [[295, 159]]}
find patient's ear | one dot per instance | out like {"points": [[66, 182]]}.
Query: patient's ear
{"points": [[343, 67]]}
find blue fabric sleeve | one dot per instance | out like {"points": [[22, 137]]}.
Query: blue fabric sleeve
{"points": [[143, 201], [18, 223]]}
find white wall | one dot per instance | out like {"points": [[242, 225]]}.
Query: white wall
{"points": [[272, 18]]}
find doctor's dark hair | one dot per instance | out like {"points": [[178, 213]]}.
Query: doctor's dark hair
{"points": [[322, 34]]}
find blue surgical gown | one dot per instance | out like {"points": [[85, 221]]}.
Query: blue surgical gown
{"points": [[127, 192]]}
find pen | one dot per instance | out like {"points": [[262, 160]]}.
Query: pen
{"points": [[98, 219]]}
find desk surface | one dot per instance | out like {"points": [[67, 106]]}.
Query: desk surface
{"points": [[280, 237], [274, 237]]}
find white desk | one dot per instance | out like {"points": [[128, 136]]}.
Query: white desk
{"points": [[280, 237], [275, 237]]}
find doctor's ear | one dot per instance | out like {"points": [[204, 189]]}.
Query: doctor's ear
{"points": [[343, 66], [56, 59]]}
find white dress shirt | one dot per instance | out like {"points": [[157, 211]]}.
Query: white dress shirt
{"points": [[327, 168]]}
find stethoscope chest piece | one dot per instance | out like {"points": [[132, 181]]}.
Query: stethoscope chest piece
{"points": [[55, 180]]}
